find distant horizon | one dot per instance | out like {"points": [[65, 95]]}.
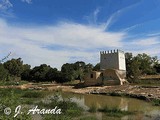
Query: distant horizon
{"points": [[55, 32]]}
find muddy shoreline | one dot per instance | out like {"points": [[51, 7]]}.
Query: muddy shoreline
{"points": [[147, 93], [139, 92]]}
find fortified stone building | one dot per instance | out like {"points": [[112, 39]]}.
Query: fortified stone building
{"points": [[112, 69], [112, 60]]}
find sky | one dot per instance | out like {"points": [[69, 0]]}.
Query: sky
{"points": [[56, 32]]}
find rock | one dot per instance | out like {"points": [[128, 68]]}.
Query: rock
{"points": [[150, 95]]}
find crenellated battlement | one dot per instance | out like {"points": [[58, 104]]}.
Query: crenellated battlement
{"points": [[113, 59], [111, 51]]}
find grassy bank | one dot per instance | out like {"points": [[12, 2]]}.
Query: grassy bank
{"points": [[6, 83], [116, 112], [156, 102], [12, 98], [15, 97], [27, 98]]}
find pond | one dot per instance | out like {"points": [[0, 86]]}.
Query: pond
{"points": [[144, 110]]}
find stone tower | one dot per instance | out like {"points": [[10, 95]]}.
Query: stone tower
{"points": [[113, 60], [113, 69]]}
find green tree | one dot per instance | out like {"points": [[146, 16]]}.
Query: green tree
{"points": [[96, 67], [77, 70], [3, 73], [25, 75], [146, 63], [68, 71], [135, 71], [52, 74], [38, 73], [132, 67], [14, 67], [141, 64], [129, 60], [60, 77], [88, 68], [79, 65]]}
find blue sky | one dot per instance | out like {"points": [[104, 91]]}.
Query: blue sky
{"points": [[59, 31]]}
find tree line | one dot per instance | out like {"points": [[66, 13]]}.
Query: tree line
{"points": [[14, 68], [141, 64]]}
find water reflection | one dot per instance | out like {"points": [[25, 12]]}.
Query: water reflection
{"points": [[145, 110]]}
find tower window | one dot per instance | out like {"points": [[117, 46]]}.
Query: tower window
{"points": [[91, 75]]}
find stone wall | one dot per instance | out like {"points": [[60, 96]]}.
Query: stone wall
{"points": [[105, 77], [112, 60], [93, 78]]}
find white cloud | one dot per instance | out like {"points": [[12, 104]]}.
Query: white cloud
{"points": [[92, 18], [152, 51], [95, 14], [132, 27], [27, 1], [146, 42], [5, 4], [148, 45], [6, 8], [76, 41], [111, 20], [153, 34], [66, 42]]}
